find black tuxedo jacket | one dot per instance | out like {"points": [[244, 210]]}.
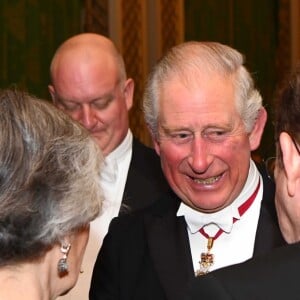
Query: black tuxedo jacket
{"points": [[273, 276], [146, 255], [145, 180]]}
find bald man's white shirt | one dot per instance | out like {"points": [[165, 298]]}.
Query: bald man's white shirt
{"points": [[113, 179]]}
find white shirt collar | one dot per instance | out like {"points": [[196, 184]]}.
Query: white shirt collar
{"points": [[110, 167], [118, 153]]}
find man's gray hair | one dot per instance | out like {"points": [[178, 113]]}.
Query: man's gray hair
{"points": [[188, 59]]}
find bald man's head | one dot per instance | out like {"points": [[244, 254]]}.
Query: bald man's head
{"points": [[89, 83], [87, 47]]}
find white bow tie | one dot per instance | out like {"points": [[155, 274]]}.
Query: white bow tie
{"points": [[109, 170], [223, 221]]}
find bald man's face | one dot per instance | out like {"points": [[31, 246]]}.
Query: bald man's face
{"points": [[91, 93]]}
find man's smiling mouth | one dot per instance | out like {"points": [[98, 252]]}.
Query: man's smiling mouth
{"points": [[207, 181]]}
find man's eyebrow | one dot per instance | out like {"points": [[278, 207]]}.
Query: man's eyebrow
{"points": [[102, 97], [169, 129]]}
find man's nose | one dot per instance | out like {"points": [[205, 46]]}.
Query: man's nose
{"points": [[200, 156], [88, 117]]}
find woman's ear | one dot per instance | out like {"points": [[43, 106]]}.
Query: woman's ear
{"points": [[291, 161]]}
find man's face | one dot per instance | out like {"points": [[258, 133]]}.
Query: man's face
{"points": [[202, 142], [92, 95]]}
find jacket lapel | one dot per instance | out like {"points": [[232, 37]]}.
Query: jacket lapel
{"points": [[170, 251], [145, 181]]}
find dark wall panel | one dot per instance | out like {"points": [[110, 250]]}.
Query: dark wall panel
{"points": [[30, 32]]}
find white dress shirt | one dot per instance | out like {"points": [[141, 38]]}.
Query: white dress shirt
{"points": [[113, 177], [236, 243]]}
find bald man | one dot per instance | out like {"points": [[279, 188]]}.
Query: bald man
{"points": [[90, 84]]}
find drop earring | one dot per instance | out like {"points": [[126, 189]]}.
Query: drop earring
{"points": [[62, 266]]}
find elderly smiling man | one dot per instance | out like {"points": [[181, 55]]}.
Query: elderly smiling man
{"points": [[274, 275], [205, 117]]}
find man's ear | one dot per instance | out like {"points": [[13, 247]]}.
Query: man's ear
{"points": [[155, 142], [128, 92], [156, 146], [258, 129], [291, 161], [52, 93]]}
